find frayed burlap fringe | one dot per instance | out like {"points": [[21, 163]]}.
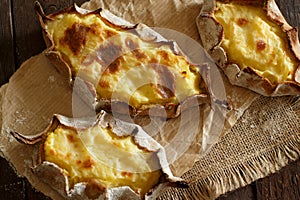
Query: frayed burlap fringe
{"points": [[240, 175]]}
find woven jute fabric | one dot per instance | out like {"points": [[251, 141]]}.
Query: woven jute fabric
{"points": [[265, 139]]}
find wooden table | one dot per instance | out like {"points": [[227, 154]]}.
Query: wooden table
{"points": [[21, 38]]}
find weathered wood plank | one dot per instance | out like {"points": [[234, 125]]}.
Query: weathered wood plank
{"points": [[284, 184], [7, 65], [32, 194], [11, 186], [290, 11], [244, 193], [28, 38]]}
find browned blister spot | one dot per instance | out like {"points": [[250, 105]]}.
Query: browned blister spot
{"points": [[52, 152], [70, 138], [88, 163], [109, 33], [164, 55], [260, 45], [94, 29], [113, 67], [127, 174], [103, 84], [76, 36], [153, 61], [242, 21], [69, 155], [139, 54], [78, 162]]}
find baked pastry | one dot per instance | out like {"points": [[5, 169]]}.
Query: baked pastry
{"points": [[129, 67], [102, 158], [253, 44]]}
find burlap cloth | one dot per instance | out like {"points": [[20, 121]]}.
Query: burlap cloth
{"points": [[263, 140]]}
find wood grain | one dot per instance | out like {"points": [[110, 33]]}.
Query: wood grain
{"points": [[7, 60], [281, 185], [290, 11], [28, 38], [244, 193], [11, 186]]}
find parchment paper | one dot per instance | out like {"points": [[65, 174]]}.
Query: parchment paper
{"points": [[37, 91]]}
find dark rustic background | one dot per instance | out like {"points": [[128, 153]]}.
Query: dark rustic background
{"points": [[21, 38]]}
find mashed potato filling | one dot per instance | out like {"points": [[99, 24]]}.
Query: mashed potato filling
{"points": [[252, 40], [96, 154]]}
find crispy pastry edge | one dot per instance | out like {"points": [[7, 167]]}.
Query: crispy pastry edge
{"points": [[56, 178]]}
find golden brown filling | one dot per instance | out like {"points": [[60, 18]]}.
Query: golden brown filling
{"points": [[252, 40], [97, 155], [120, 64]]}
